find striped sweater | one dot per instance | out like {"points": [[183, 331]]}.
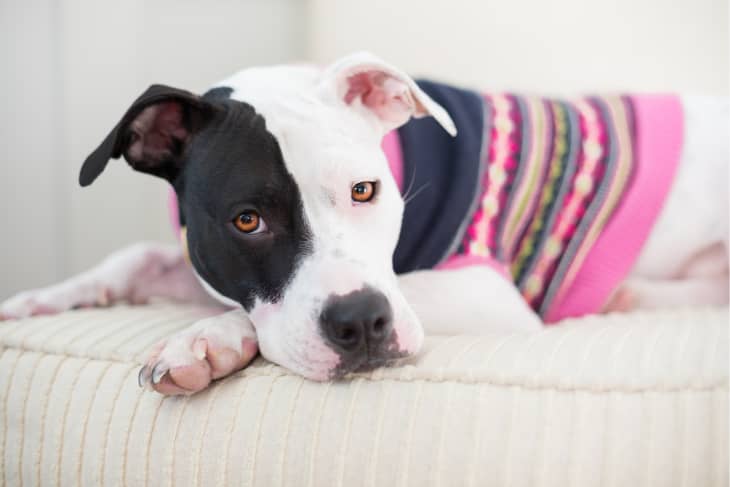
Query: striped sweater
{"points": [[556, 195]]}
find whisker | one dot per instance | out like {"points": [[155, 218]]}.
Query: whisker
{"points": [[416, 192], [411, 183]]}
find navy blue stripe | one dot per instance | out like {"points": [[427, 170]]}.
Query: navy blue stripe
{"points": [[444, 171]]}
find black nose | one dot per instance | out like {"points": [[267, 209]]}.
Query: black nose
{"points": [[359, 320]]}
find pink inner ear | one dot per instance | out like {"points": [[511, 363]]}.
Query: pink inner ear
{"points": [[388, 97], [157, 128]]}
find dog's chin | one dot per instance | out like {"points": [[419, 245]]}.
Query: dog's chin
{"points": [[342, 371], [368, 364], [371, 365]]}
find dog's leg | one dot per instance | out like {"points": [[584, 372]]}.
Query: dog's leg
{"points": [[702, 279], [470, 300], [638, 293], [209, 349], [133, 274]]}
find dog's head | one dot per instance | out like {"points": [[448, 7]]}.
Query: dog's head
{"points": [[290, 207]]}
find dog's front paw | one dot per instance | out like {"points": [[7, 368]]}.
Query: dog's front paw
{"points": [[51, 300], [211, 348]]}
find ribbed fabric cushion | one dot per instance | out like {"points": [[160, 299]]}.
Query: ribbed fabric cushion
{"points": [[635, 400]]}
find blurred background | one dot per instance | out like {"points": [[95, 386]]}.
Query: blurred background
{"points": [[70, 69]]}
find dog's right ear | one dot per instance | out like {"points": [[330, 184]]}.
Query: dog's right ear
{"points": [[371, 86], [153, 134]]}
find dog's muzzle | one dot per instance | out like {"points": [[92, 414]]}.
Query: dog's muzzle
{"points": [[359, 327]]}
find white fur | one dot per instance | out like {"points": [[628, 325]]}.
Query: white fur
{"points": [[469, 300], [135, 274]]}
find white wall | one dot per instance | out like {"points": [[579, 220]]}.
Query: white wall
{"points": [[70, 69], [32, 234], [546, 46]]}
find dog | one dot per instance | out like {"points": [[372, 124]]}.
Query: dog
{"points": [[329, 258]]}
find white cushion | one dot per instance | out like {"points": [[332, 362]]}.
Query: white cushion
{"points": [[622, 400]]}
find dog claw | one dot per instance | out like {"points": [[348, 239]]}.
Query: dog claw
{"points": [[158, 372], [151, 376], [143, 377]]}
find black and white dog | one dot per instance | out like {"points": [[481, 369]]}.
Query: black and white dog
{"points": [[292, 216]]}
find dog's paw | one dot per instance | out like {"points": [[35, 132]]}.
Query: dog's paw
{"points": [[50, 300], [210, 349]]}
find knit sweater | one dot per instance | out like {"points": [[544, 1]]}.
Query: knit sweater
{"points": [[556, 195]]}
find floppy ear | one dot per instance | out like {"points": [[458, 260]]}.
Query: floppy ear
{"points": [[152, 135], [365, 82]]}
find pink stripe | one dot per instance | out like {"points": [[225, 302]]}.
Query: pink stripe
{"points": [[659, 131], [462, 260], [394, 154]]}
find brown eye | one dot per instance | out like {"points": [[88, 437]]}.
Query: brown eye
{"points": [[363, 192], [248, 222]]}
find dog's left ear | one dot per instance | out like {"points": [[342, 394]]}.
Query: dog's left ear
{"points": [[153, 133], [366, 82]]}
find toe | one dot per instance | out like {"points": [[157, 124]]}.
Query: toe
{"points": [[185, 380], [224, 361], [167, 387], [192, 377]]}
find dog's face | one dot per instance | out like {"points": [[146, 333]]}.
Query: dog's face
{"points": [[290, 207]]}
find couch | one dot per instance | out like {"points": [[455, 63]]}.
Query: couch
{"points": [[617, 400]]}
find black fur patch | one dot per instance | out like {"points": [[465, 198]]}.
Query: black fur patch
{"points": [[219, 93], [235, 164], [222, 161]]}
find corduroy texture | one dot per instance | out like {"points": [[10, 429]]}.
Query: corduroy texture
{"points": [[614, 401]]}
